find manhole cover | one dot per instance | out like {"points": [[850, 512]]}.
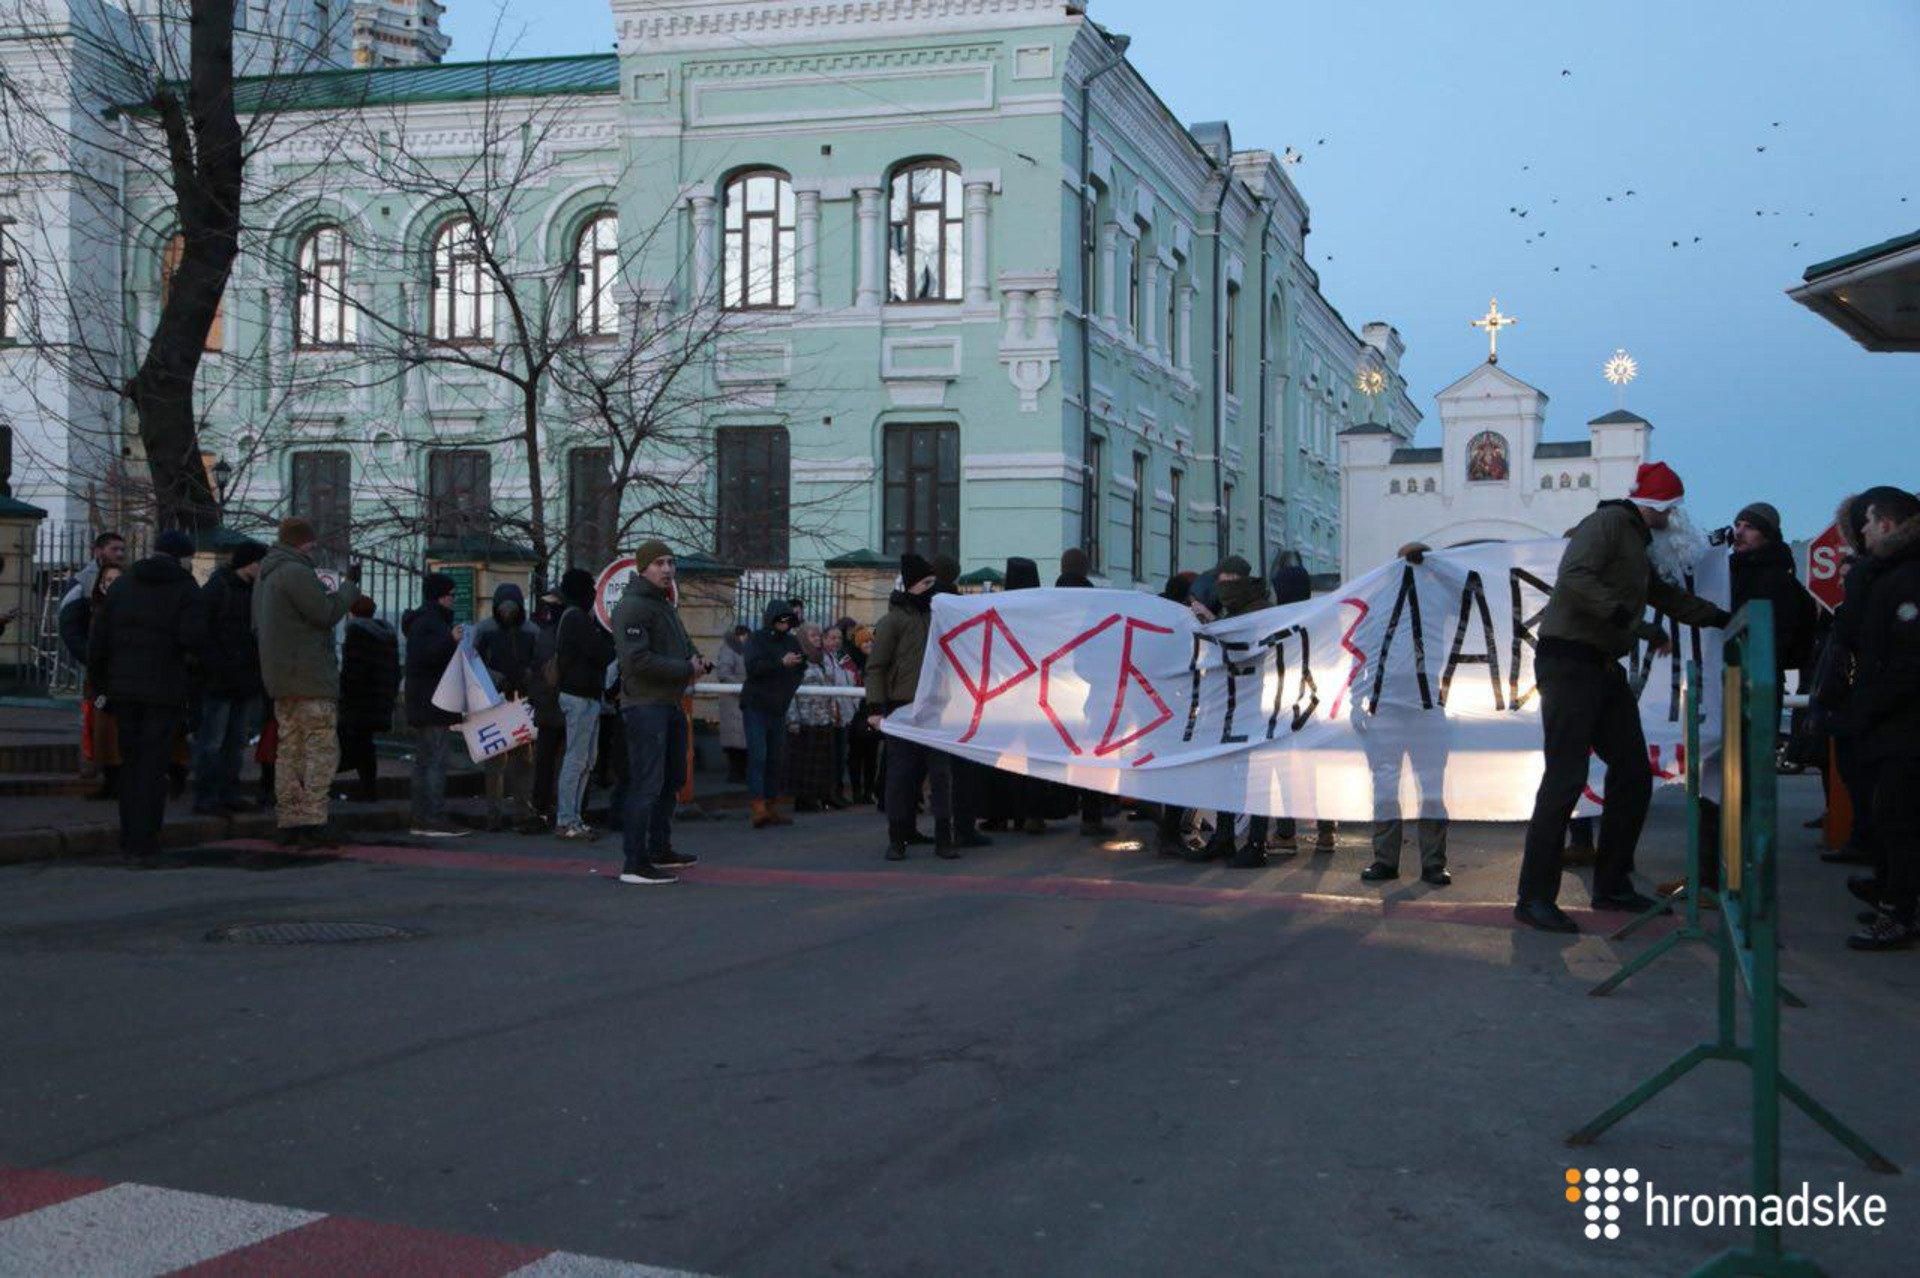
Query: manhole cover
{"points": [[308, 932]]}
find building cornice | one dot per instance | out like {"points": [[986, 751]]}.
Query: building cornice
{"points": [[659, 26]]}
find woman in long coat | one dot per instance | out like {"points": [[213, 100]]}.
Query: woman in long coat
{"points": [[730, 666], [369, 687]]}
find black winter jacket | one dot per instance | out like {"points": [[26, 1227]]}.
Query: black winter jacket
{"points": [[1291, 584], [147, 636], [430, 646], [770, 684], [1884, 712], [1767, 573], [507, 649], [585, 652], [369, 675], [232, 654]]}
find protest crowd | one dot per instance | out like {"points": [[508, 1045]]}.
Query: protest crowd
{"points": [[274, 656]]}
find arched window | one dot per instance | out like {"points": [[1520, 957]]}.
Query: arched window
{"points": [[759, 241], [1394, 487], [461, 304], [9, 286], [321, 314], [1566, 480], [1546, 481], [169, 263], [596, 261], [924, 233], [1586, 481], [1427, 487]]}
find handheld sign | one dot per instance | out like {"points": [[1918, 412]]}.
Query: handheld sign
{"points": [[1827, 568]]}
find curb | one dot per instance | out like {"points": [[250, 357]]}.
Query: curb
{"points": [[20, 847]]}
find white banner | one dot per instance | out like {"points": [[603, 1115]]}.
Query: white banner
{"points": [[1407, 692]]}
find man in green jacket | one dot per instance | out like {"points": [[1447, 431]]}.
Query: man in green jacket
{"points": [[1592, 619], [657, 661], [294, 613], [893, 680]]}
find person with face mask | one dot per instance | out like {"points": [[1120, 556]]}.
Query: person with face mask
{"points": [[893, 680], [775, 667], [1593, 617], [507, 651]]}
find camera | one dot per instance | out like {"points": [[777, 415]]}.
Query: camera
{"points": [[1720, 536]]}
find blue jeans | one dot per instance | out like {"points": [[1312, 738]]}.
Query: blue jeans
{"points": [[432, 746], [656, 769], [583, 744], [766, 735], [219, 746]]}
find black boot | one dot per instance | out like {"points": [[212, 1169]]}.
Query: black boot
{"points": [[897, 841], [943, 840], [966, 836], [1220, 847]]}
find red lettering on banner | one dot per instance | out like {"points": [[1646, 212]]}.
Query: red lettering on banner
{"points": [[1359, 657], [1128, 673], [983, 689]]}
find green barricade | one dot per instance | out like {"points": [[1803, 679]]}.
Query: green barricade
{"points": [[1747, 940]]}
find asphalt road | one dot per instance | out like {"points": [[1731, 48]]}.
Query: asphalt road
{"points": [[1049, 1058]]}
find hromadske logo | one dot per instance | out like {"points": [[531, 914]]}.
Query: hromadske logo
{"points": [[1602, 1190], [1604, 1193]]}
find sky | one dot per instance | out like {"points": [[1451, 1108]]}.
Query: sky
{"points": [[1762, 135]]}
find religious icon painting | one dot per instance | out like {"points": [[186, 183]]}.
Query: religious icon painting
{"points": [[1487, 457]]}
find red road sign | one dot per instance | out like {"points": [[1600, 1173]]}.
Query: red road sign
{"points": [[1827, 567]]}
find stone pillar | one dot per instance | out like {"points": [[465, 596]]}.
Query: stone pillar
{"points": [[706, 234], [1109, 262], [809, 231], [1186, 328], [868, 213], [1016, 330], [1046, 317], [1150, 304], [976, 206]]}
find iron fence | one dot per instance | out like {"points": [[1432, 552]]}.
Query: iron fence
{"points": [[822, 599], [61, 554]]}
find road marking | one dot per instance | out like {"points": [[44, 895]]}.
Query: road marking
{"points": [[56, 1225], [135, 1230], [1427, 909]]}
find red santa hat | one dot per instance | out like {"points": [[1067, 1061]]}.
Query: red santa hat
{"points": [[1657, 486]]}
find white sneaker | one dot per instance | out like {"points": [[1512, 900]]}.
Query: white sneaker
{"points": [[440, 831], [647, 876], [580, 832]]}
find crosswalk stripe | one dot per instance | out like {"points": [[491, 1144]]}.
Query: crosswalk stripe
{"points": [[567, 1264], [337, 1245], [135, 1231]]}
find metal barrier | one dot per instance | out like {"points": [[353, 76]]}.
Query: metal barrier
{"points": [[1747, 941]]}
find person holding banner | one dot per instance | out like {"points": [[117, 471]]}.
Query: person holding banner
{"points": [[432, 640], [657, 661], [1592, 619], [893, 679]]}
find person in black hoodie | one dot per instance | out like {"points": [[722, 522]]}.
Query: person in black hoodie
{"points": [[142, 658], [432, 639], [775, 667], [583, 649], [369, 683], [1013, 801], [1291, 582], [970, 780], [507, 651], [1073, 576], [551, 743], [233, 695], [1881, 723]]}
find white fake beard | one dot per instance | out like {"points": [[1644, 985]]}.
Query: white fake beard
{"points": [[1677, 547]]}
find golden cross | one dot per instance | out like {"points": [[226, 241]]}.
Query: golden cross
{"points": [[1493, 321]]}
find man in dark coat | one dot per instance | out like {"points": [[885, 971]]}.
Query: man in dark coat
{"points": [[369, 684], [970, 780], [775, 667], [657, 661], [507, 650], [1074, 567], [1291, 581], [142, 656], [232, 695], [1882, 720], [893, 680], [582, 652], [432, 639]]}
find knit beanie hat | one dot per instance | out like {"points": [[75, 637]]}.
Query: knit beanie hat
{"points": [[438, 587], [946, 569], [174, 543], [362, 606], [576, 587], [247, 552], [296, 532], [1657, 486], [651, 549], [1761, 516], [913, 568]]}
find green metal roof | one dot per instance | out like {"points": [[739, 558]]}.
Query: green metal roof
{"points": [[1855, 258], [445, 82]]}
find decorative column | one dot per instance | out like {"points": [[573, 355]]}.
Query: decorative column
{"points": [[808, 203], [867, 213], [976, 206], [1150, 305], [1046, 317], [1110, 259], [1186, 328], [706, 232]]}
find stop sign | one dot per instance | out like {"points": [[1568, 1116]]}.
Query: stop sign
{"points": [[1827, 567]]}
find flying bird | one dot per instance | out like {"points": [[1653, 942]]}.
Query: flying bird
{"points": [[1629, 192], [1676, 244], [1321, 142], [1759, 148], [1564, 71]]}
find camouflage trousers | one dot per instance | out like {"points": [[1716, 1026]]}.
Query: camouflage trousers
{"points": [[308, 757]]}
